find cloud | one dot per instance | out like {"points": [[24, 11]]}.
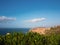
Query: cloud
{"points": [[4, 19], [36, 20]]}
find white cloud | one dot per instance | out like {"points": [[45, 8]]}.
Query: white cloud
{"points": [[36, 20], [4, 19]]}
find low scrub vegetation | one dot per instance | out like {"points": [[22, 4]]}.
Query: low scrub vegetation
{"points": [[30, 38]]}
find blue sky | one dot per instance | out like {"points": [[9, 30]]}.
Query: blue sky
{"points": [[29, 13]]}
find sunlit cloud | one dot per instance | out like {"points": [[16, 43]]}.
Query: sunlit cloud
{"points": [[4, 19], [35, 20]]}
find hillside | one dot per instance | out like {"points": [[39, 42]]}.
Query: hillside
{"points": [[40, 30], [43, 30]]}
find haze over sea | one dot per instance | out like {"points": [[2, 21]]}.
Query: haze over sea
{"points": [[11, 30]]}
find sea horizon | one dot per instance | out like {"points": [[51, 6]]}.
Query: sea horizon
{"points": [[3, 31]]}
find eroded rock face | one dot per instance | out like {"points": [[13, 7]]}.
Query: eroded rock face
{"points": [[40, 30]]}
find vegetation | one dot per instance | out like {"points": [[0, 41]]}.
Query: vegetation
{"points": [[30, 38], [53, 30]]}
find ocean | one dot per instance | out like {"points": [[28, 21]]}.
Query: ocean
{"points": [[3, 31]]}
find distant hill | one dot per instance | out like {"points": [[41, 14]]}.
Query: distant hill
{"points": [[43, 30], [40, 30]]}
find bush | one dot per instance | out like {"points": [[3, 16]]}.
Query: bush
{"points": [[29, 38]]}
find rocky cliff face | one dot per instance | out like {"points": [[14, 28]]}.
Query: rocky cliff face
{"points": [[40, 30]]}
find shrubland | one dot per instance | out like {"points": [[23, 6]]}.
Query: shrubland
{"points": [[52, 37]]}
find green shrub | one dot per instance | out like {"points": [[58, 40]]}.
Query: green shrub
{"points": [[31, 38]]}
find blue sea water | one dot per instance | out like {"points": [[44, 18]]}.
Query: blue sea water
{"points": [[3, 31]]}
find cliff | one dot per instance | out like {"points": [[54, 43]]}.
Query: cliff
{"points": [[40, 30]]}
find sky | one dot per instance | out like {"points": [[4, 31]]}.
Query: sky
{"points": [[29, 13]]}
